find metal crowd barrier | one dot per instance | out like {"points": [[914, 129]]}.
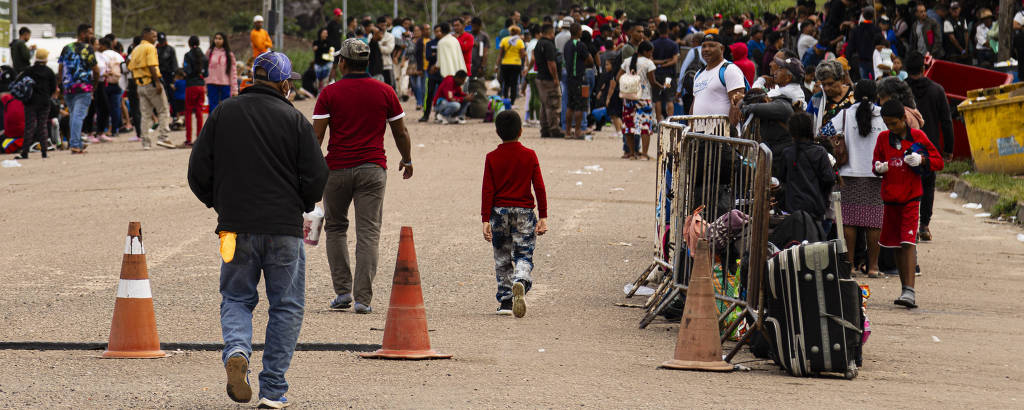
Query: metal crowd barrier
{"points": [[722, 174], [668, 162]]}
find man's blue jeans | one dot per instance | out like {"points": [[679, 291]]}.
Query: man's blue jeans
{"points": [[282, 260], [451, 108], [78, 106]]}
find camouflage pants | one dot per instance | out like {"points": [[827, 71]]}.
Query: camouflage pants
{"points": [[513, 236]]}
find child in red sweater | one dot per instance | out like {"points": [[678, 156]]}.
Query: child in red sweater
{"points": [[507, 211], [902, 155]]}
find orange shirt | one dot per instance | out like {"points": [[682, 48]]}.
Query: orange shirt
{"points": [[260, 41]]}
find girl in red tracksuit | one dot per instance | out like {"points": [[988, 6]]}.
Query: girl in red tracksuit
{"points": [[902, 154]]}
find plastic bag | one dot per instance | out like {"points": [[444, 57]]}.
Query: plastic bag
{"points": [[312, 223]]}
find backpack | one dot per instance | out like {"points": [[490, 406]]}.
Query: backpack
{"points": [[721, 76], [630, 82], [22, 88]]}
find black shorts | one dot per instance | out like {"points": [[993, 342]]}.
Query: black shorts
{"points": [[662, 94], [574, 91]]}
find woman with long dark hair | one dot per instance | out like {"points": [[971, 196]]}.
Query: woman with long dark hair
{"points": [[223, 80], [323, 58], [637, 110], [861, 189]]}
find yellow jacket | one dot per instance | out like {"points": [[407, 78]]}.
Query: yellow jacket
{"points": [[260, 42]]}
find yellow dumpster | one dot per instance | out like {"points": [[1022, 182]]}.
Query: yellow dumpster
{"points": [[994, 118]]}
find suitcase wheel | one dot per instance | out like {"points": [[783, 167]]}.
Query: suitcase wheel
{"points": [[852, 372]]}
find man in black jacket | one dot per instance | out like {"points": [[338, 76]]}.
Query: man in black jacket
{"points": [[37, 108], [168, 66], [931, 101], [257, 163]]}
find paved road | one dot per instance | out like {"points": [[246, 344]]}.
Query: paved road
{"points": [[64, 220]]}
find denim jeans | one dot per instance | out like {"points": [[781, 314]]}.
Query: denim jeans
{"points": [[451, 108], [114, 93], [78, 105], [216, 93], [416, 82], [282, 259], [565, 99]]}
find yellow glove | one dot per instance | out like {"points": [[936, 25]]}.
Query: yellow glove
{"points": [[227, 246]]}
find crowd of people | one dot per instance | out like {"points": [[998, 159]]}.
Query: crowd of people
{"points": [[839, 94], [102, 90]]}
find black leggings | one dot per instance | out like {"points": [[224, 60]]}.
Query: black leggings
{"points": [[432, 83], [510, 81], [99, 110]]}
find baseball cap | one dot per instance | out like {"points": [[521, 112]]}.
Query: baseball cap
{"points": [[42, 54], [718, 15], [337, 12], [277, 65], [792, 65], [712, 37], [567, 21], [161, 37], [954, 5], [355, 49], [257, 18]]}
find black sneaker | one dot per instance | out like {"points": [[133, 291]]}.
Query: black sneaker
{"points": [[506, 308], [422, 119]]}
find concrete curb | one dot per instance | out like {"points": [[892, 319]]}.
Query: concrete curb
{"points": [[987, 199]]}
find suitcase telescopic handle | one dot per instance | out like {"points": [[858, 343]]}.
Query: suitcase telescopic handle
{"points": [[837, 207]]}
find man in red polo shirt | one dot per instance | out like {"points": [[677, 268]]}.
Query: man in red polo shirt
{"points": [[358, 110], [465, 42]]}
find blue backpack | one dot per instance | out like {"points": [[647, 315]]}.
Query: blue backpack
{"points": [[721, 76]]}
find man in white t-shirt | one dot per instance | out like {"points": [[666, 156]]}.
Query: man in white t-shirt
{"points": [[717, 91]]}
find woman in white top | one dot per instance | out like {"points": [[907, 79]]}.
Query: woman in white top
{"points": [[112, 89], [637, 109], [861, 189]]}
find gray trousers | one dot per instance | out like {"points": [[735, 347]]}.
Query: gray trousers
{"points": [[362, 185], [550, 107], [150, 99]]}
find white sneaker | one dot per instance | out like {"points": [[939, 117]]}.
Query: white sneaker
{"points": [[462, 121], [266, 403], [163, 142]]}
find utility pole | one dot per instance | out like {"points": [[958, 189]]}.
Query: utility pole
{"points": [[395, 13], [279, 33], [1005, 29], [433, 14], [344, 20]]}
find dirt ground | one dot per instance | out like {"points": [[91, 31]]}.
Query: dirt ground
{"points": [[64, 220]]}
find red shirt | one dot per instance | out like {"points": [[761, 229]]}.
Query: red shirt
{"points": [[901, 184], [448, 85], [466, 42], [359, 109], [14, 117], [508, 173]]}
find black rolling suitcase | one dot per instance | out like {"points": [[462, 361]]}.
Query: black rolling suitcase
{"points": [[814, 322]]}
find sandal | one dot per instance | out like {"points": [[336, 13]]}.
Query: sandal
{"points": [[876, 274]]}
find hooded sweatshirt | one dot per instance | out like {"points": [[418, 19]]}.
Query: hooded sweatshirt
{"points": [[931, 101], [739, 57]]}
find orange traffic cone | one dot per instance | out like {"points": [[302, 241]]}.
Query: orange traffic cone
{"points": [[133, 331], [405, 332], [698, 346]]}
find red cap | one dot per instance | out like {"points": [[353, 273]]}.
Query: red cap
{"points": [[718, 15], [337, 12], [747, 24]]}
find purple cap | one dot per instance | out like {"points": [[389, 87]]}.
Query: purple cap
{"points": [[277, 65]]}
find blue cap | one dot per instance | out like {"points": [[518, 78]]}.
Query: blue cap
{"points": [[277, 65]]}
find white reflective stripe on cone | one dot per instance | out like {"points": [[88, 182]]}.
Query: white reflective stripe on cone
{"points": [[133, 246], [134, 289]]}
